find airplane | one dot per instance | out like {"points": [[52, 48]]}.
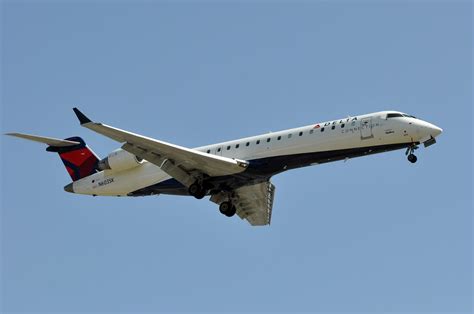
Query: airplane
{"points": [[235, 174]]}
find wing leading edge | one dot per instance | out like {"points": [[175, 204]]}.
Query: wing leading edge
{"points": [[179, 162]]}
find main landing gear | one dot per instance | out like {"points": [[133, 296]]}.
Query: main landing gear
{"points": [[226, 208], [410, 153], [197, 190]]}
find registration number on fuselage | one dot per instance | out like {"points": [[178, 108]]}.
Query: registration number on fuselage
{"points": [[105, 182]]}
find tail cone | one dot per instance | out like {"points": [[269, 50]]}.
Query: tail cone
{"points": [[69, 188]]}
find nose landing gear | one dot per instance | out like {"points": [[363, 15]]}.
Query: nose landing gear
{"points": [[412, 158], [410, 153]]}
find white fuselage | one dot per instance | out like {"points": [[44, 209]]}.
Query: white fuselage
{"points": [[371, 130]]}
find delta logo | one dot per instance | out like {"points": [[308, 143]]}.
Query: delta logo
{"points": [[317, 126]]}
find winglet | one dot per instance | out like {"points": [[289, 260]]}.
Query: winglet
{"points": [[82, 117]]}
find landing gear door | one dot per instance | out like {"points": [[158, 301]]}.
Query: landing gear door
{"points": [[366, 129]]}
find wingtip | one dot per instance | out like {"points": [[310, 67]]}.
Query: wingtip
{"points": [[14, 134], [82, 117]]}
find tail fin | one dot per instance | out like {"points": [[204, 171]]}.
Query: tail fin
{"points": [[80, 160]]}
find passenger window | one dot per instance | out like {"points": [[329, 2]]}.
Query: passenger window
{"points": [[258, 142], [219, 149], [228, 147], [342, 126], [208, 151], [322, 129], [247, 144], [333, 127], [301, 133], [311, 131], [237, 146], [289, 135], [279, 138]]}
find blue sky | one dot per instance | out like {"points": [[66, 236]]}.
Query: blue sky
{"points": [[375, 234]]}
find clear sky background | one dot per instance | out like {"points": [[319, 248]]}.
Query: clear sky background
{"points": [[375, 234]]}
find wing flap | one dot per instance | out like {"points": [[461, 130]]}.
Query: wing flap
{"points": [[255, 203]]}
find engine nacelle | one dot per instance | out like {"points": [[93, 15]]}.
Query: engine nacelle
{"points": [[119, 160]]}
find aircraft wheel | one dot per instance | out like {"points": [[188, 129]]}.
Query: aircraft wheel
{"points": [[412, 158], [227, 209], [232, 212], [197, 191]]}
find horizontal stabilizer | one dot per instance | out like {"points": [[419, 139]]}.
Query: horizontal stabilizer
{"points": [[46, 140]]}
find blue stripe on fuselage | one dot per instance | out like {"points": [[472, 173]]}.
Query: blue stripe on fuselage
{"points": [[263, 168]]}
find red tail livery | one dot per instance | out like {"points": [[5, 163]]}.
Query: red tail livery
{"points": [[79, 160]]}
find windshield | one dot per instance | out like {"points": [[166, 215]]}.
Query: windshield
{"points": [[394, 115], [399, 115]]}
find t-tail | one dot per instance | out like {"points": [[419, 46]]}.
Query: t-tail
{"points": [[80, 161]]}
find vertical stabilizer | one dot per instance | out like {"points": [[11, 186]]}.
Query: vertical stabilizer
{"points": [[80, 161]]}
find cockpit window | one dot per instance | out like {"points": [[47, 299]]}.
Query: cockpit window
{"points": [[409, 116], [394, 115]]}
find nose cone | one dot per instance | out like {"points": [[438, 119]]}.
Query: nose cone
{"points": [[434, 130], [426, 129], [69, 188]]}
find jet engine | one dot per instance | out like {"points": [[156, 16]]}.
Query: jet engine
{"points": [[119, 160]]}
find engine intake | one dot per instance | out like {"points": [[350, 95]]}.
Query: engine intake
{"points": [[119, 160]]}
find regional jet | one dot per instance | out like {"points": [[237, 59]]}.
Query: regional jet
{"points": [[235, 174]]}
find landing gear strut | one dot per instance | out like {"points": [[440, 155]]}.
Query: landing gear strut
{"points": [[226, 208], [410, 153], [197, 190]]}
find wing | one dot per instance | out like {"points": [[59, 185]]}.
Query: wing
{"points": [[253, 202], [179, 162]]}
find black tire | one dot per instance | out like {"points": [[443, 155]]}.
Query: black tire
{"points": [[232, 212], [197, 191], [412, 158], [201, 194], [224, 207], [227, 209]]}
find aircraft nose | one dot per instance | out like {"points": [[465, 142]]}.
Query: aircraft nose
{"points": [[434, 130], [427, 129], [69, 188]]}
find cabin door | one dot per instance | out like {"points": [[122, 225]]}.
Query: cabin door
{"points": [[366, 129]]}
